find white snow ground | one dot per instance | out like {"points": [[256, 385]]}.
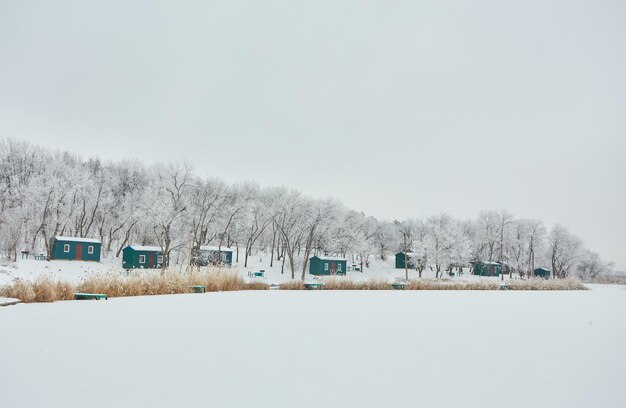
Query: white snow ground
{"points": [[4, 301], [75, 271], [319, 349]]}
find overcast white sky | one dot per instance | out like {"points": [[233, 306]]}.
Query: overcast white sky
{"points": [[398, 108]]}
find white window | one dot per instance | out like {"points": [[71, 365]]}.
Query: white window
{"points": [[223, 256], [90, 249], [339, 267], [66, 248], [142, 259], [159, 259], [325, 266]]}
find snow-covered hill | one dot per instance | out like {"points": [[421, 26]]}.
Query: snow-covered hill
{"points": [[74, 271]]}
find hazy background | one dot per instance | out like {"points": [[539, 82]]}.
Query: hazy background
{"points": [[398, 108]]}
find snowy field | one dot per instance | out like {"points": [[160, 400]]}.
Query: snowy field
{"points": [[75, 271], [319, 349]]}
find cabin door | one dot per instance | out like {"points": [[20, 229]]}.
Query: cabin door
{"points": [[152, 264], [79, 252], [333, 267]]}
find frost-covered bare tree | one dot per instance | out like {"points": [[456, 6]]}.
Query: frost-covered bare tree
{"points": [[167, 204], [564, 250], [591, 266], [292, 211], [44, 193], [317, 222]]}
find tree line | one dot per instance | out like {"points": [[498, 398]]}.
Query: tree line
{"points": [[45, 193]]}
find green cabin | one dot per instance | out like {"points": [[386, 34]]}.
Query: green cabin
{"points": [[212, 255], [400, 260], [489, 268], [75, 249], [142, 257], [542, 273], [326, 265]]}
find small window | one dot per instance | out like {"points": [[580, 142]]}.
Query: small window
{"points": [[339, 267], [325, 266], [142, 259], [66, 248], [223, 256], [90, 249], [159, 259]]}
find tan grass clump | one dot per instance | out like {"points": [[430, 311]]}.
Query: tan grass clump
{"points": [[546, 284], [344, 284], [42, 289], [257, 286], [19, 289], [292, 285], [448, 284]]}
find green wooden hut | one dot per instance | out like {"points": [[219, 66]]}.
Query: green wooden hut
{"points": [[213, 255], [75, 249], [542, 273], [488, 268], [142, 257], [401, 259], [327, 265]]}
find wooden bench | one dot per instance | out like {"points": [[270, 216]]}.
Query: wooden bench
{"points": [[398, 285], [198, 288], [259, 274], [90, 296], [313, 286]]}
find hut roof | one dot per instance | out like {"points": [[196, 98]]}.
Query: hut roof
{"points": [[150, 248], [330, 258], [214, 248], [77, 239]]}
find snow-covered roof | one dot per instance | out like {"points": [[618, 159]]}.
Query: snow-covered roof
{"points": [[490, 263], [409, 253], [77, 239], [331, 258], [214, 248], [145, 248]]}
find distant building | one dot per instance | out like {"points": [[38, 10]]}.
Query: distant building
{"points": [[75, 249], [401, 258], [489, 268], [327, 265], [142, 257], [542, 273], [212, 255]]}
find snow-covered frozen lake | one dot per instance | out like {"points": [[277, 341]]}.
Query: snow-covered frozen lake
{"points": [[319, 349]]}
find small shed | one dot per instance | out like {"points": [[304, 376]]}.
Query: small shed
{"points": [[489, 268], [542, 273], [401, 259], [75, 249], [142, 257], [213, 255], [327, 265]]}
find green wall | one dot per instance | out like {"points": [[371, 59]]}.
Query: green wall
{"points": [[131, 258], [325, 265], [77, 250]]}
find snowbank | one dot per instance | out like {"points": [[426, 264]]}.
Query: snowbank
{"points": [[315, 348], [8, 301]]}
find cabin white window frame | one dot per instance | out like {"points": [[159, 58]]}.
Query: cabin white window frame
{"points": [[90, 249], [325, 266], [66, 248], [224, 258], [142, 259], [339, 267], [159, 259]]}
